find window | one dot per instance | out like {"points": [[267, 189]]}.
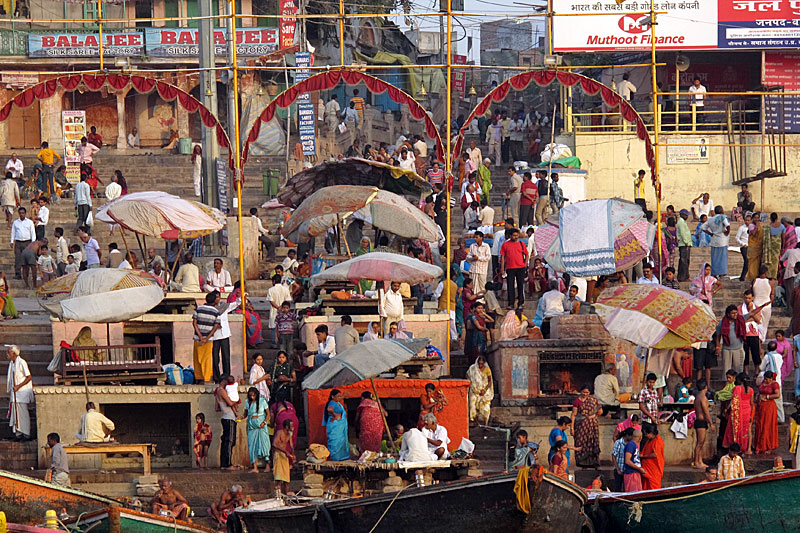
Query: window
{"points": [[144, 10]]}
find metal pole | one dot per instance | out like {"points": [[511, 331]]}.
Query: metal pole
{"points": [[341, 32], [100, 31], [656, 126], [448, 157], [237, 176], [208, 96]]}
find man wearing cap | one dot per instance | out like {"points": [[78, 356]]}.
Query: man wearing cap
{"points": [[684, 245], [19, 387]]}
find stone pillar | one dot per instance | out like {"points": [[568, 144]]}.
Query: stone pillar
{"points": [[50, 120], [122, 142], [182, 114]]}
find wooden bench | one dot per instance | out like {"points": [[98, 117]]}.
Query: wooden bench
{"points": [[142, 449]]}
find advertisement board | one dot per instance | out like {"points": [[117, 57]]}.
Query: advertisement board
{"points": [[687, 155], [288, 22], [782, 69], [73, 126], [460, 76], [759, 24], [305, 109], [85, 44], [182, 42]]}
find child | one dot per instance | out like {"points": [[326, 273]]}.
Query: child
{"points": [[71, 266], [731, 465], [538, 277], [47, 267], [794, 432], [669, 278], [285, 323], [683, 393], [202, 440], [75, 250]]}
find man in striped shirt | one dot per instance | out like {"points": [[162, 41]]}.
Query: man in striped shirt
{"points": [[359, 105], [435, 174], [205, 322]]}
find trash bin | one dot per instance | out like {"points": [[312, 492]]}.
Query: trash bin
{"points": [[185, 145], [271, 177]]}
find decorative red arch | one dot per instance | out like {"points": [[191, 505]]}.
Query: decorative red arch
{"points": [[546, 77], [142, 84], [328, 80]]}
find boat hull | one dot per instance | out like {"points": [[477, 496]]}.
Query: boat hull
{"points": [[762, 503], [483, 504], [137, 522], [25, 500]]}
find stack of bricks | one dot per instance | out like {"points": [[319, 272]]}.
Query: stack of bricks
{"points": [[18, 456]]}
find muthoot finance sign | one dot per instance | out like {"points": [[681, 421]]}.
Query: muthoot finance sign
{"points": [[684, 25]]}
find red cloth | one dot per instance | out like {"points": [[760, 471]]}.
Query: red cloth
{"points": [[739, 328], [654, 466], [531, 188], [766, 433], [738, 428], [516, 254], [633, 482], [370, 425]]}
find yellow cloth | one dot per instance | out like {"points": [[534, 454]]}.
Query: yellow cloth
{"points": [[281, 471], [84, 339], [202, 361], [47, 156], [793, 436], [521, 490], [405, 290]]}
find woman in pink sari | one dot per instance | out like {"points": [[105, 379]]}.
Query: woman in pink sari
{"points": [[705, 286], [740, 417], [284, 410], [370, 423], [785, 349], [789, 243]]}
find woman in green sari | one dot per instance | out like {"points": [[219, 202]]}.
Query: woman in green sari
{"points": [[257, 411], [772, 237], [364, 248], [457, 277], [6, 301]]}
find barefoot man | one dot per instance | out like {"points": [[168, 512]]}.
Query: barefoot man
{"points": [[230, 500], [169, 499], [703, 423]]}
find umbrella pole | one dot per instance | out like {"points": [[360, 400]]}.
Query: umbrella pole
{"points": [[383, 416], [141, 249], [646, 360], [347, 247], [125, 242], [167, 275], [177, 260], [85, 382]]}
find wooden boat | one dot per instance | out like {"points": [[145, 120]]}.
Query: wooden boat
{"points": [[485, 504], [757, 503], [25, 499], [131, 521]]}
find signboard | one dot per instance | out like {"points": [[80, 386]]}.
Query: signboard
{"points": [[85, 44], [288, 22], [222, 194], [685, 25], [305, 109], [19, 79], [73, 125], [759, 24], [73, 173], [182, 42], [687, 155], [460, 76], [782, 112]]}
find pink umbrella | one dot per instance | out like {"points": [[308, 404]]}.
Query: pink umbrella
{"points": [[380, 266]]}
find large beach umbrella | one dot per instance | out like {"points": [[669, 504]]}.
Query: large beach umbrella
{"points": [[380, 266], [595, 237], [101, 295], [352, 171], [655, 316], [364, 360], [162, 215], [382, 209]]}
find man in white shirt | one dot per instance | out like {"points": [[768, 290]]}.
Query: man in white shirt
{"points": [[552, 302], [23, 233], [95, 427], [290, 263], [407, 160], [42, 218], [486, 215], [647, 276], [264, 235], [62, 251], [474, 154], [345, 335], [494, 137], [15, 166], [19, 386], [113, 189], [479, 256], [437, 437], [697, 99], [391, 305], [421, 146], [133, 139], [83, 200], [702, 205], [332, 111], [222, 338], [626, 89], [414, 447], [350, 116], [517, 137], [742, 240], [218, 279], [326, 346]]}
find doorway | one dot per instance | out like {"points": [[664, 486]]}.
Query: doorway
{"points": [[24, 126]]}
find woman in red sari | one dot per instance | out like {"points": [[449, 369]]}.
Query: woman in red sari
{"points": [[370, 423], [252, 318], [652, 456], [740, 416], [767, 414]]}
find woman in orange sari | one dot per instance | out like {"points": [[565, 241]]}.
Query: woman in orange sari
{"points": [[740, 416], [767, 414], [652, 456]]}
